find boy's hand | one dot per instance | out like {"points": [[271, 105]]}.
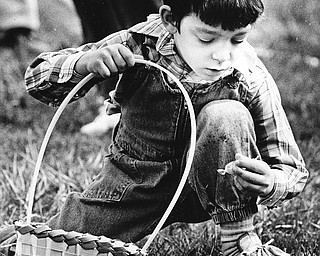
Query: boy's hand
{"points": [[106, 61], [253, 176]]}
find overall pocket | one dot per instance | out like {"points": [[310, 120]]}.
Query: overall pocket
{"points": [[126, 179], [117, 175]]}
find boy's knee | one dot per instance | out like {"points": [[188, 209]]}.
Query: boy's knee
{"points": [[224, 115]]}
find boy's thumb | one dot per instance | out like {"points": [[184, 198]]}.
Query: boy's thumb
{"points": [[239, 156], [139, 57]]}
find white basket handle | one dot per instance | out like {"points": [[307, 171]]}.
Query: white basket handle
{"points": [[31, 192]]}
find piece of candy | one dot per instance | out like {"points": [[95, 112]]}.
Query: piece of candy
{"points": [[227, 168]]}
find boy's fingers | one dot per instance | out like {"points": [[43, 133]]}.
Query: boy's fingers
{"points": [[109, 63], [250, 177], [120, 62], [246, 188], [127, 56], [99, 68], [104, 72], [254, 165]]}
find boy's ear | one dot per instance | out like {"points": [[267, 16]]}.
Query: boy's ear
{"points": [[167, 19]]}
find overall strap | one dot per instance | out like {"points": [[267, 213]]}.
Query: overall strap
{"points": [[149, 51]]}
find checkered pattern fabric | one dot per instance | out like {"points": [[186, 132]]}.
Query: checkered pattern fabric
{"points": [[51, 77]]}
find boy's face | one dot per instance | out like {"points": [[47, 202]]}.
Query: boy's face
{"points": [[209, 51]]}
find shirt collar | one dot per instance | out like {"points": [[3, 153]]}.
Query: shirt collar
{"points": [[164, 45]]}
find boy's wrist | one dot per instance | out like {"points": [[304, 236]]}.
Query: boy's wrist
{"points": [[271, 186], [80, 66], [66, 65], [269, 191], [277, 192]]}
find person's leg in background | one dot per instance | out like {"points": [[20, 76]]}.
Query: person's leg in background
{"points": [[100, 18], [18, 19]]}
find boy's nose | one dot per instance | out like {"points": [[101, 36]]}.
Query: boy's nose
{"points": [[221, 53], [221, 56]]}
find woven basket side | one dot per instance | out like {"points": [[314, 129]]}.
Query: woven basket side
{"points": [[40, 240]]}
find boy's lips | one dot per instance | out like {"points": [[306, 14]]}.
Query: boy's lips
{"points": [[217, 71]]}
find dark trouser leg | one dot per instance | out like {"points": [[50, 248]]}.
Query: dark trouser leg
{"points": [[225, 128]]}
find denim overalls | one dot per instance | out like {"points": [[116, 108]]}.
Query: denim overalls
{"points": [[146, 160]]}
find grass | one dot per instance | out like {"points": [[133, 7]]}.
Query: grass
{"points": [[287, 39]]}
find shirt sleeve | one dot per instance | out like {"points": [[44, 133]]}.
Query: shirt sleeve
{"points": [[51, 76], [276, 141]]}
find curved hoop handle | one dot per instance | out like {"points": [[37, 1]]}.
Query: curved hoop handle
{"points": [[31, 192]]}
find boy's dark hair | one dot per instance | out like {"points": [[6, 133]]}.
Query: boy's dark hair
{"points": [[230, 14]]}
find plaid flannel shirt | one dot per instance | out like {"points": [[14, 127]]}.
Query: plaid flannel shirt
{"points": [[51, 76]]}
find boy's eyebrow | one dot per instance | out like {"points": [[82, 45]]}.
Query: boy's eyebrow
{"points": [[212, 31], [245, 30], [242, 33], [205, 30]]}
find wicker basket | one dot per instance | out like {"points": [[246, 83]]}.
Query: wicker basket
{"points": [[40, 240]]}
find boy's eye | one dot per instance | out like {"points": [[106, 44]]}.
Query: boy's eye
{"points": [[205, 40], [237, 40]]}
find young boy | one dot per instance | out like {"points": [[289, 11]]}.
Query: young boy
{"points": [[239, 119]]}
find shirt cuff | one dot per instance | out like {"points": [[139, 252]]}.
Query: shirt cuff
{"points": [[278, 192], [67, 72]]}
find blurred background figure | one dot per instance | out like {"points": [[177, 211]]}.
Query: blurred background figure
{"points": [[100, 18], [18, 20]]}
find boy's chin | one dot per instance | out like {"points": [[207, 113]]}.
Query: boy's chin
{"points": [[203, 78]]}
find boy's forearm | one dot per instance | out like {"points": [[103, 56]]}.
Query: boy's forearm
{"points": [[52, 75]]}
